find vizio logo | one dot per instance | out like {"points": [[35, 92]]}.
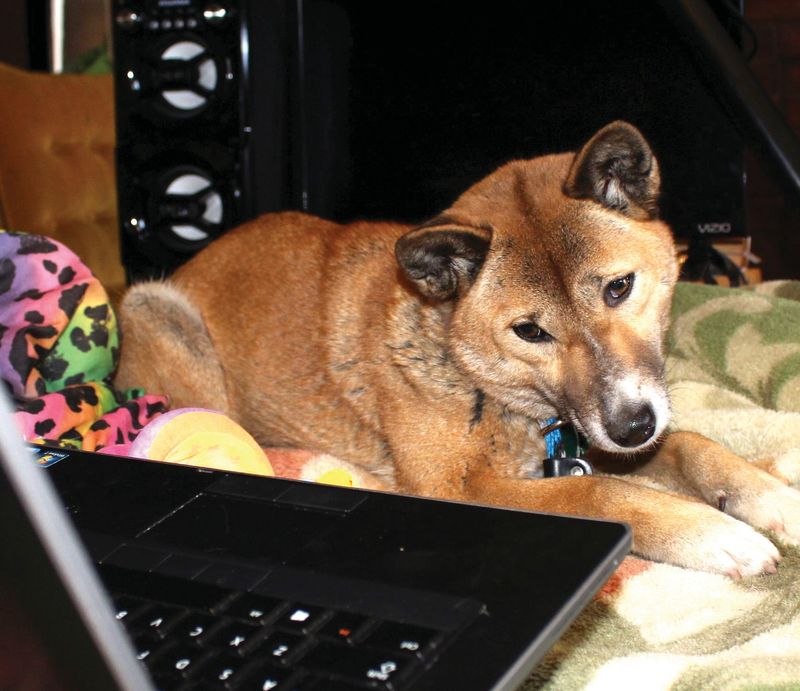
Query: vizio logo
{"points": [[711, 228]]}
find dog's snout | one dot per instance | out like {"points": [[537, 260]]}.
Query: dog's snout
{"points": [[636, 429]]}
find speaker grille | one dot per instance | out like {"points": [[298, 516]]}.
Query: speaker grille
{"points": [[189, 208], [188, 76]]}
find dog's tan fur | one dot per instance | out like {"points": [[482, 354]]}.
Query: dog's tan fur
{"points": [[397, 348]]}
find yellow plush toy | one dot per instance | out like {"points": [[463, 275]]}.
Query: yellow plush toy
{"points": [[209, 439], [200, 437]]}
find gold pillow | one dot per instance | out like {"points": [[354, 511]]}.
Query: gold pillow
{"points": [[57, 164]]}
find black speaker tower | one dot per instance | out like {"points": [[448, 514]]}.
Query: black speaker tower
{"points": [[198, 149]]}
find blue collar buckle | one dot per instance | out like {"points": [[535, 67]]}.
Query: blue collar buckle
{"points": [[564, 449]]}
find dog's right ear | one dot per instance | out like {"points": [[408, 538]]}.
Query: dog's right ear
{"points": [[441, 257], [618, 169]]}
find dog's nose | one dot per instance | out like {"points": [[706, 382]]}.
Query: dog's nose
{"points": [[638, 428]]}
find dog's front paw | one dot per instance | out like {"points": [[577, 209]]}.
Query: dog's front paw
{"points": [[785, 467], [776, 510], [702, 538], [737, 550]]}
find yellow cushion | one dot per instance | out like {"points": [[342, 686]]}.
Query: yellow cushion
{"points": [[57, 164]]}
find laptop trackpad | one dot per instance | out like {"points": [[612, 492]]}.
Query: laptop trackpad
{"points": [[224, 526]]}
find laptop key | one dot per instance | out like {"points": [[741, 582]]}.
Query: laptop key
{"points": [[174, 591], [176, 663], [281, 647], [222, 673], [147, 645], [266, 677], [126, 608], [182, 566], [343, 626], [255, 608], [402, 638], [323, 683], [188, 593], [367, 666], [302, 618], [235, 637], [194, 627], [159, 619], [135, 557]]}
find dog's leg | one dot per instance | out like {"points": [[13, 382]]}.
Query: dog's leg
{"points": [[692, 464], [166, 349], [449, 460], [666, 527]]}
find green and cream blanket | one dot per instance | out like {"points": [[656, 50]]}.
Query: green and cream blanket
{"points": [[734, 374]]}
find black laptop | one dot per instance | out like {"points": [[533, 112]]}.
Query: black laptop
{"points": [[235, 582]]}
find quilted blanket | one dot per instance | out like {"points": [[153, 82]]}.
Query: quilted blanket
{"points": [[734, 374]]}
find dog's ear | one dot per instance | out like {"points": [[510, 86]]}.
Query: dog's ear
{"points": [[441, 257], [618, 169]]}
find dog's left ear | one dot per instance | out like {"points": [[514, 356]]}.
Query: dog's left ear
{"points": [[442, 257], [618, 169]]}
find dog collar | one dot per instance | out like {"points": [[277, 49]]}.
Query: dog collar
{"points": [[564, 449]]}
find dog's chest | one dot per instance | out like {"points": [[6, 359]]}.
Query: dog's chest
{"points": [[515, 443]]}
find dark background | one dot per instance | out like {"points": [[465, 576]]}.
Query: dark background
{"points": [[773, 215]]}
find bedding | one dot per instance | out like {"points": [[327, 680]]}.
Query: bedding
{"points": [[734, 374]]}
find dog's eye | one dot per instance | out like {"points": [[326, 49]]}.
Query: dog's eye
{"points": [[531, 332], [617, 290]]}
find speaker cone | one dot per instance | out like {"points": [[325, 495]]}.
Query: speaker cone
{"points": [[187, 76], [190, 209]]}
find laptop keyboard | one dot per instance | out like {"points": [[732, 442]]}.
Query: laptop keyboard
{"points": [[196, 635], [211, 604]]}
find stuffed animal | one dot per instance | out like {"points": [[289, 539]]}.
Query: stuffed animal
{"points": [[200, 437]]}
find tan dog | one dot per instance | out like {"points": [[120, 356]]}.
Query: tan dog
{"points": [[431, 356]]}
